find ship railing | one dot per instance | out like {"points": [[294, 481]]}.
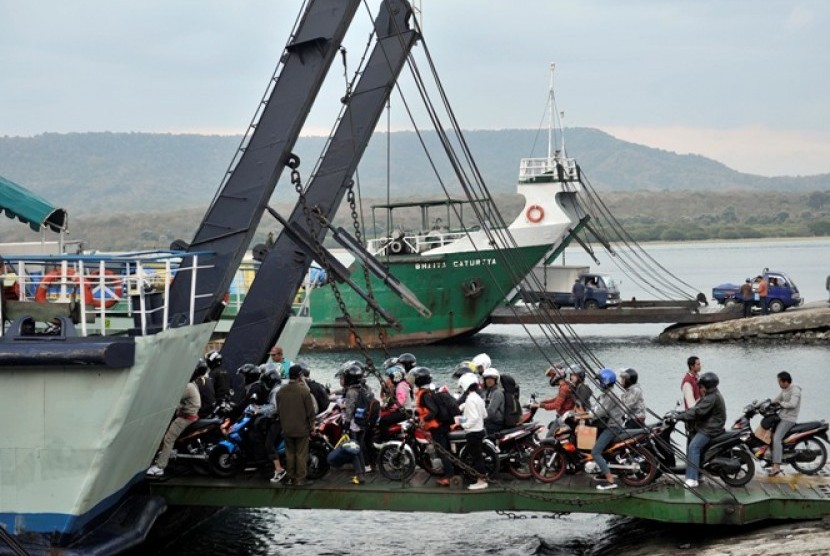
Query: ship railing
{"points": [[546, 169], [112, 294], [413, 243]]}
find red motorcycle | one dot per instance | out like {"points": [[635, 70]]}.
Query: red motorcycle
{"points": [[517, 443], [627, 456]]}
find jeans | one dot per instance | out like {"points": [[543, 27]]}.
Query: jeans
{"points": [[696, 447], [605, 438], [781, 431]]}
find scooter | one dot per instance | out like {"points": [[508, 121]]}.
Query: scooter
{"points": [[243, 447], [516, 444], [801, 447], [726, 455], [195, 442], [627, 455]]}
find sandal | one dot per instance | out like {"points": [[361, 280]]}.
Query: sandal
{"points": [[772, 473]]}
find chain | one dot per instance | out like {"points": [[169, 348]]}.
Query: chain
{"points": [[514, 515], [308, 212]]}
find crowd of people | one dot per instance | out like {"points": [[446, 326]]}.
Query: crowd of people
{"points": [[283, 394]]}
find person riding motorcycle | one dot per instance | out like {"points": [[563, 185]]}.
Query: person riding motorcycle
{"points": [[481, 363], [221, 380], [611, 413], [709, 417], [633, 399], [407, 361], [564, 399], [581, 391], [205, 385], [427, 410], [493, 400], [789, 400], [397, 404]]}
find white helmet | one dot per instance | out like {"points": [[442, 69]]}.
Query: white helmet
{"points": [[491, 373], [467, 380], [482, 360]]}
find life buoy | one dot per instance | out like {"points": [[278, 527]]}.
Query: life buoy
{"points": [[535, 213], [396, 247], [42, 292], [109, 294]]}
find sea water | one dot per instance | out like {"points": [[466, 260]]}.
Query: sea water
{"points": [[746, 371]]}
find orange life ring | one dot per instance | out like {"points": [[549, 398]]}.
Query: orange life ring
{"points": [[42, 292], [112, 291], [535, 213]]}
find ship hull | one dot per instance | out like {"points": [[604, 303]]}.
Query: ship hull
{"points": [[79, 436]]}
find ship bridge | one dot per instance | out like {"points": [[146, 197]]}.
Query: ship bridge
{"points": [[764, 498]]}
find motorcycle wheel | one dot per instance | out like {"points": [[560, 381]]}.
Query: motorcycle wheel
{"points": [[518, 461], [802, 451], [546, 464], [746, 472], [426, 458], [318, 463], [396, 463], [646, 467], [488, 454], [222, 463]]}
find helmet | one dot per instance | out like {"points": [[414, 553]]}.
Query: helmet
{"points": [[466, 381], [271, 379], [422, 376], [407, 361], [482, 360], [344, 368], [391, 362], [491, 373], [201, 368], [463, 368], [708, 380], [628, 377], [249, 372], [214, 359], [607, 378], [556, 375], [303, 367], [395, 373], [578, 371], [354, 375]]}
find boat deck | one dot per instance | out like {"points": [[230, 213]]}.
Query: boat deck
{"points": [[793, 496]]}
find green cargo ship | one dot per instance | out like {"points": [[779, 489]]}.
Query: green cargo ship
{"points": [[458, 275]]}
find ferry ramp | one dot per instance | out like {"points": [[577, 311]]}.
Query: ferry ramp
{"points": [[793, 497]]}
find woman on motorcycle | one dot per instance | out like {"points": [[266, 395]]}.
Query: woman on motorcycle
{"points": [[789, 398], [709, 416], [633, 399], [612, 414], [399, 401]]}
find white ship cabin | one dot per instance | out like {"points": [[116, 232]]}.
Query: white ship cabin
{"points": [[413, 227]]}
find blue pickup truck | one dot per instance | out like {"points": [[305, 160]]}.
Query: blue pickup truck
{"points": [[782, 292]]}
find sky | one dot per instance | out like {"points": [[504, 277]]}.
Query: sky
{"points": [[745, 82]]}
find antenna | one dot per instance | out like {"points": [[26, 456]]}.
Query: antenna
{"points": [[551, 108]]}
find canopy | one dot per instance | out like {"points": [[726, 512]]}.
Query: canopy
{"points": [[18, 202]]}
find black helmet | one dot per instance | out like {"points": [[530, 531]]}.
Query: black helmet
{"points": [[214, 359], [391, 362], [578, 371], [271, 379], [201, 368], [462, 369], [708, 380], [250, 372], [303, 367], [354, 375], [407, 361], [422, 376], [629, 376]]}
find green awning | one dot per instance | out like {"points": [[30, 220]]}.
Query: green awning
{"points": [[18, 202]]}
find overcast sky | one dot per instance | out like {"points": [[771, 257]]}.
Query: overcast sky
{"points": [[742, 81]]}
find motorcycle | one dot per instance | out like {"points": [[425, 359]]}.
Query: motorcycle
{"points": [[801, 447], [726, 455], [397, 459], [195, 442], [244, 447], [516, 444], [627, 455]]}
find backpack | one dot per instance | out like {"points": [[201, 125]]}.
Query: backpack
{"points": [[447, 407], [321, 395], [367, 408], [512, 405]]}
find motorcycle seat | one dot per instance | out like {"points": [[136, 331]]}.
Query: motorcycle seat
{"points": [[457, 435], [807, 426], [203, 423]]}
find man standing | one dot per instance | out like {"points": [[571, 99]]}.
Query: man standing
{"points": [[763, 290], [277, 362], [691, 391], [296, 409], [748, 297], [186, 413], [578, 292]]}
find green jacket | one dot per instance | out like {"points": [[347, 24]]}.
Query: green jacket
{"points": [[296, 409]]}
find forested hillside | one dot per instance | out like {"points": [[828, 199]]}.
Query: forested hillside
{"points": [[129, 190]]}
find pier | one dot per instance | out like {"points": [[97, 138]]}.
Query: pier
{"points": [[628, 312], [793, 497]]}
